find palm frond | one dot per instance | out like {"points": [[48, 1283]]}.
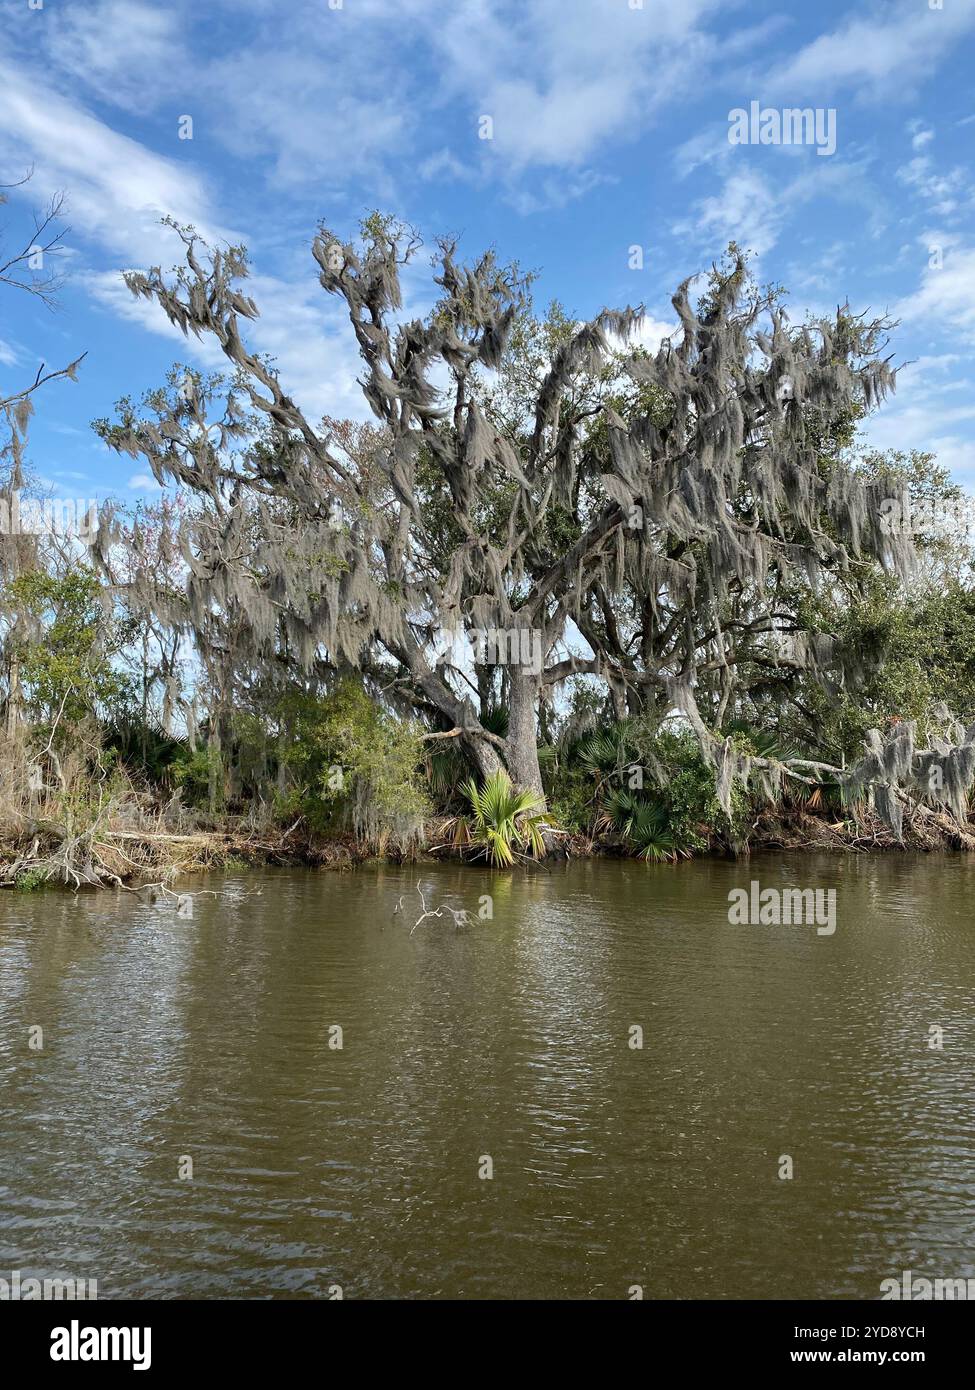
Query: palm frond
{"points": [[505, 820]]}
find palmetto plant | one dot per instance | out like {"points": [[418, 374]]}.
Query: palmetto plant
{"points": [[143, 744], [609, 750], [505, 821], [829, 795], [644, 824], [760, 741]]}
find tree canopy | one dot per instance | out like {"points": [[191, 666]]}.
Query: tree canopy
{"points": [[686, 513]]}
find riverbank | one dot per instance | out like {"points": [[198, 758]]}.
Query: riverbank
{"points": [[44, 853]]}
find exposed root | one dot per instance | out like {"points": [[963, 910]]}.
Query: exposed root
{"points": [[924, 830]]}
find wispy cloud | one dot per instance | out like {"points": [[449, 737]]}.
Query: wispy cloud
{"points": [[117, 188], [945, 299], [943, 193], [889, 51], [753, 206], [112, 46]]}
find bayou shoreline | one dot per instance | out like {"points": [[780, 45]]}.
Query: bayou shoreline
{"points": [[41, 857]]}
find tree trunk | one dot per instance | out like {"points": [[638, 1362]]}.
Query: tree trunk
{"points": [[524, 688], [485, 754], [215, 767], [485, 687], [461, 713], [13, 698], [282, 775]]}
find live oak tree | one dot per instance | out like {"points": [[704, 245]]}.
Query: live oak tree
{"points": [[670, 508]]}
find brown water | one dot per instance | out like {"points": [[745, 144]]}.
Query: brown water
{"points": [[612, 1166]]}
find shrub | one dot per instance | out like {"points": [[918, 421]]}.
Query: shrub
{"points": [[356, 765]]}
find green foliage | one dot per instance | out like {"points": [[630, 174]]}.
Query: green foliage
{"points": [[447, 766], [142, 745], [66, 664], [571, 798], [762, 743], [356, 764], [644, 824], [913, 651], [191, 772], [505, 821], [653, 787], [31, 880], [693, 809], [610, 750]]}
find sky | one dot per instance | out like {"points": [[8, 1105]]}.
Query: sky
{"points": [[564, 133]]}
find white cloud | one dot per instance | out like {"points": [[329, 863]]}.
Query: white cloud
{"points": [[945, 299], [926, 413], [923, 425], [114, 45], [553, 191], [340, 94], [108, 290], [746, 210], [308, 335], [556, 83], [754, 204], [345, 97], [943, 191], [923, 368], [651, 333], [890, 51], [117, 189], [443, 165], [708, 146], [313, 116]]}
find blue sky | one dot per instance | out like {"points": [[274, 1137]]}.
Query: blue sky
{"points": [[610, 130]]}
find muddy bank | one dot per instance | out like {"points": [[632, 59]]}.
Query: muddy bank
{"points": [[42, 853]]}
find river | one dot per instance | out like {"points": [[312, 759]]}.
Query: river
{"points": [[506, 1046]]}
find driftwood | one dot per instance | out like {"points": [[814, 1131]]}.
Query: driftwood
{"points": [[461, 916], [147, 836]]}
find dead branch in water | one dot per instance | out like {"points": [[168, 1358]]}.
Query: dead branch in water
{"points": [[460, 915]]}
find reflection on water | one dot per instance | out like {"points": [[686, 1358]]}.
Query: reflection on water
{"points": [[613, 1166]]}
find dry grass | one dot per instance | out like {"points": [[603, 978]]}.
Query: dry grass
{"points": [[75, 821], [78, 821]]}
